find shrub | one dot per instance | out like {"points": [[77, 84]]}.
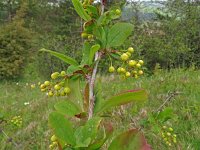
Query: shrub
{"points": [[15, 43], [78, 122]]}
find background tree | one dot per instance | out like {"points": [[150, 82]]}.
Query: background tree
{"points": [[15, 45], [169, 33]]}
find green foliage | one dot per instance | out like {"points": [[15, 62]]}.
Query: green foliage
{"points": [[93, 50], [67, 108], [15, 44], [62, 127], [88, 53], [121, 99], [35, 129], [166, 114], [100, 33], [81, 105], [129, 140], [87, 133], [76, 95], [62, 57], [118, 34], [57, 29], [171, 38], [79, 9]]}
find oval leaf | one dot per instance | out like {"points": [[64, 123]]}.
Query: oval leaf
{"points": [[75, 95], [93, 50], [100, 34], [67, 108], [86, 53], [93, 10], [80, 10], [62, 128], [130, 140], [62, 57], [118, 34], [108, 130], [72, 69], [121, 99], [85, 134]]}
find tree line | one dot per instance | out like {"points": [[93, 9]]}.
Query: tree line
{"points": [[171, 38]]}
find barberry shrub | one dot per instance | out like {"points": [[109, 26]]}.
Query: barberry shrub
{"points": [[78, 122]]}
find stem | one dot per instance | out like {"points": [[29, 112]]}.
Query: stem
{"points": [[93, 77], [91, 87]]}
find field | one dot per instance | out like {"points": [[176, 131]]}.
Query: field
{"points": [[18, 98]]}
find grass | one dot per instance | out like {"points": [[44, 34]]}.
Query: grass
{"points": [[35, 134]]}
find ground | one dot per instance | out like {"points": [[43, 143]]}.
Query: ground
{"points": [[18, 98]]}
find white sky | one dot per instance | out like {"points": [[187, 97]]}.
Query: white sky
{"points": [[141, 0], [144, 0]]}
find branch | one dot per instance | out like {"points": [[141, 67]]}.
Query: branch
{"points": [[93, 77], [9, 138], [91, 86], [168, 99]]}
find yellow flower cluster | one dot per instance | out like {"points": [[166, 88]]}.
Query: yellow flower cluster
{"points": [[32, 86], [17, 121], [168, 136], [129, 68], [54, 142], [59, 88]]}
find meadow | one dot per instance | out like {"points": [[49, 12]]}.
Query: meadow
{"points": [[179, 88]]}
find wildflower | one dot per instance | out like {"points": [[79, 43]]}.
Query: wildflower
{"points": [[26, 103]]}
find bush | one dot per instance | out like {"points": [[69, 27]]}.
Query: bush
{"points": [[15, 43]]}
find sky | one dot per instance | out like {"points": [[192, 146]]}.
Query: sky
{"points": [[141, 0], [144, 0]]}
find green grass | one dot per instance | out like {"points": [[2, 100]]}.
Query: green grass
{"points": [[35, 134]]}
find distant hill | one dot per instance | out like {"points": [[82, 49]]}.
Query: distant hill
{"points": [[145, 12]]}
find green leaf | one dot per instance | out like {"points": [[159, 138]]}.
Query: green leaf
{"points": [[104, 19], [80, 10], [85, 134], [130, 140], [86, 53], [98, 94], [113, 14], [75, 95], [89, 27], [62, 128], [99, 141], [97, 144], [71, 69], [80, 141], [93, 50], [93, 10], [166, 114], [115, 56], [101, 35], [67, 108], [62, 57], [118, 34], [121, 99]]}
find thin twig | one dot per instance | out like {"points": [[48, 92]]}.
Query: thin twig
{"points": [[168, 99], [9, 138]]}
